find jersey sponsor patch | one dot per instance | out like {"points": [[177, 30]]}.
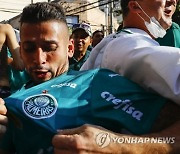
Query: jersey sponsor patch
{"points": [[125, 105], [40, 106], [72, 85]]}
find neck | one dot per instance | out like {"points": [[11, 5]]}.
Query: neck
{"points": [[78, 55], [135, 22]]}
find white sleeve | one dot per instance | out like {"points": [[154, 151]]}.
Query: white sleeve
{"points": [[156, 68], [95, 57]]}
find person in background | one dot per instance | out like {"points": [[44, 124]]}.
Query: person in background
{"points": [[81, 36], [8, 41], [4, 82], [17, 78], [97, 36], [8, 38], [172, 37]]}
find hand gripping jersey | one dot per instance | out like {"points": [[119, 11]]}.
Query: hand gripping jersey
{"points": [[98, 97]]}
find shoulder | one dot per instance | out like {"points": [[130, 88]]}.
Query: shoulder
{"points": [[127, 41], [107, 76], [5, 27], [93, 73], [175, 26], [87, 53], [6, 30]]}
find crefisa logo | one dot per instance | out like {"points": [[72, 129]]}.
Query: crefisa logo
{"points": [[40, 106]]}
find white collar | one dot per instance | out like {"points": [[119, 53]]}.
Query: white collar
{"points": [[138, 31]]}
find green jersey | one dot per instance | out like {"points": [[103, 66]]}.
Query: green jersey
{"points": [[17, 78], [172, 37], [76, 65], [98, 97]]}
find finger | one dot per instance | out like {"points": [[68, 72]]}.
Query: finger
{"points": [[2, 101], [2, 129], [3, 120], [71, 131], [3, 109]]}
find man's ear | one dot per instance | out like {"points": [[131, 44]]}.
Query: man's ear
{"points": [[71, 48], [90, 40], [134, 7]]}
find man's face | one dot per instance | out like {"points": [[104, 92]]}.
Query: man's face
{"points": [[81, 41], [169, 9], [97, 38], [45, 48], [162, 10]]}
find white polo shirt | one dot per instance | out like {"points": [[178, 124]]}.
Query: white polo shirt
{"points": [[137, 56]]}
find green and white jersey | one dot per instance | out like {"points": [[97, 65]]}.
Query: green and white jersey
{"points": [[98, 97], [172, 37]]}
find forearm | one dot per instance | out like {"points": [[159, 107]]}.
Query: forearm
{"points": [[165, 142], [93, 139], [164, 137], [3, 118]]}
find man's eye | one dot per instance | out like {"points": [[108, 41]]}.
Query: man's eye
{"points": [[49, 48], [29, 47]]}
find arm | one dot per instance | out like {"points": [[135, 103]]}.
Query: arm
{"points": [[12, 44], [3, 68], [3, 118], [84, 138], [3, 123]]}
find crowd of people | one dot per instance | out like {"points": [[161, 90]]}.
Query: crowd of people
{"points": [[66, 90]]}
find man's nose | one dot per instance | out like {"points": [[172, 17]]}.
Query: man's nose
{"points": [[40, 56]]}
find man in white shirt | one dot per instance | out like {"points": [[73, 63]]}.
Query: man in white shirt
{"points": [[134, 53]]}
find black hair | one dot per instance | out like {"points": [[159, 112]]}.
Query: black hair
{"points": [[124, 7], [97, 31], [43, 11]]}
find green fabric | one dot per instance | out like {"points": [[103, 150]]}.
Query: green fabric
{"points": [[76, 65], [26, 142], [172, 37], [17, 78], [99, 97]]}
